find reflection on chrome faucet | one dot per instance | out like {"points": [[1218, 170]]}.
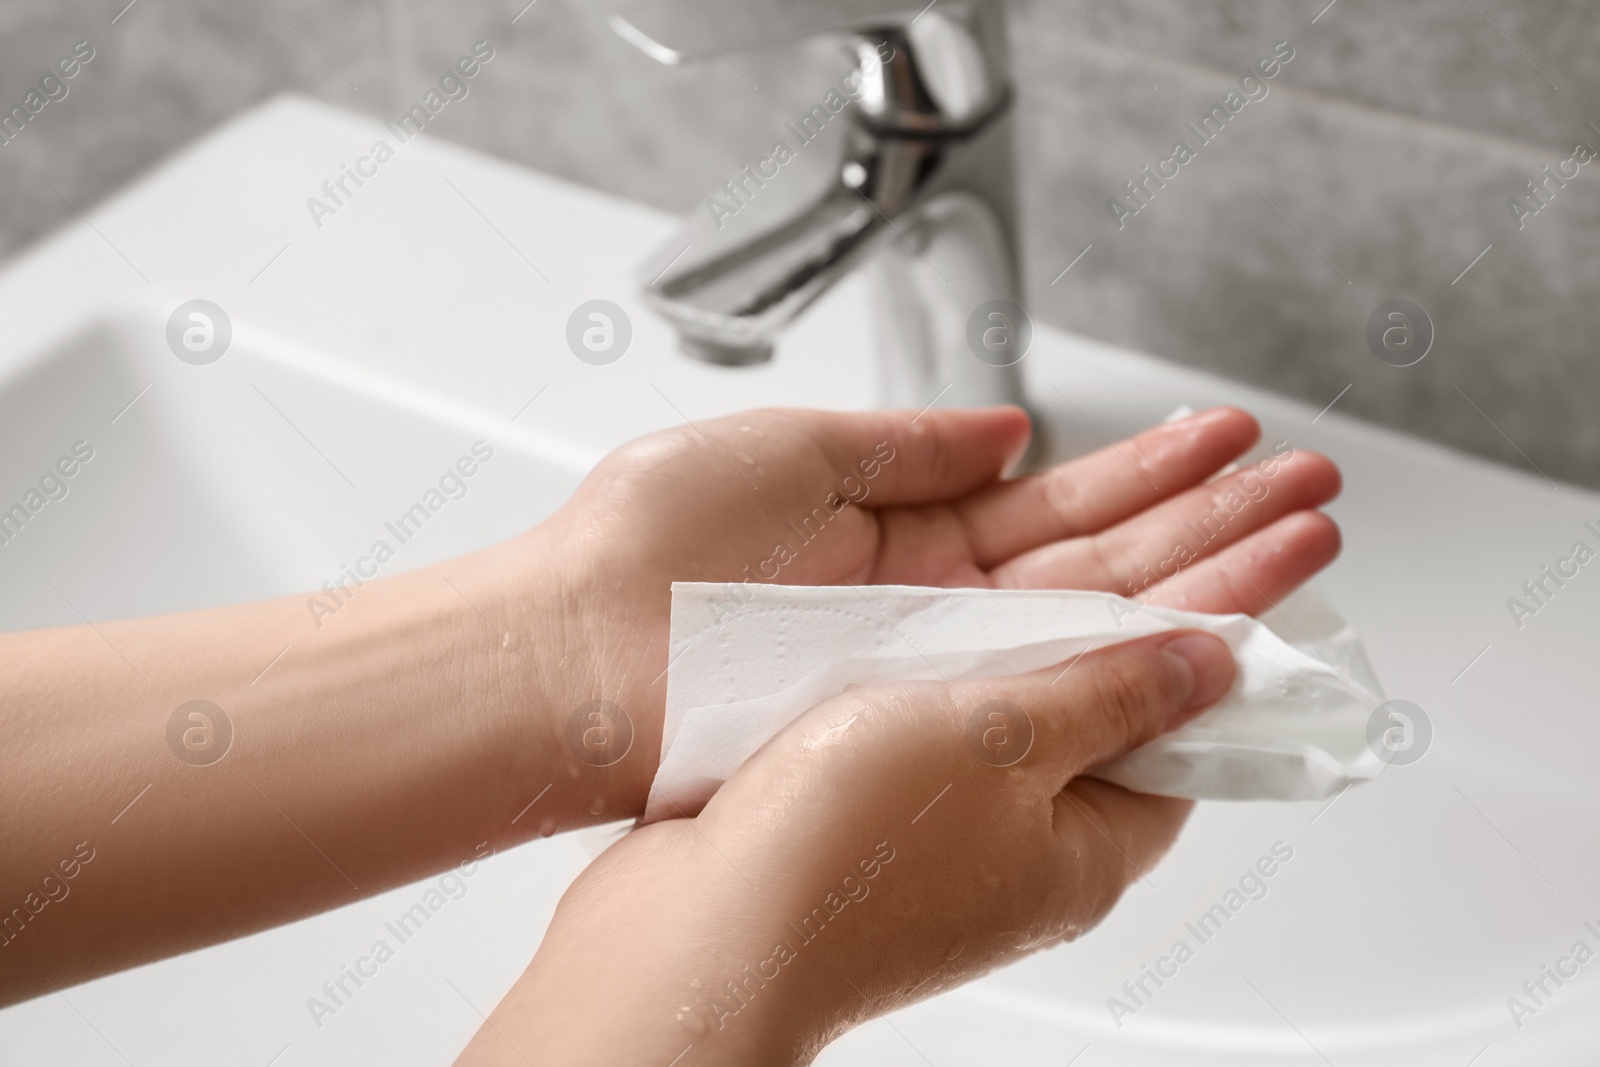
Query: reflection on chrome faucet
{"points": [[920, 187], [735, 193]]}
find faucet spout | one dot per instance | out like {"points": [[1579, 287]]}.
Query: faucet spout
{"points": [[912, 178], [730, 285]]}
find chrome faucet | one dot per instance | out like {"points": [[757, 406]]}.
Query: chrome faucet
{"points": [[911, 175]]}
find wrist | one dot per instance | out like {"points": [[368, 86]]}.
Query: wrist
{"points": [[558, 699], [693, 936]]}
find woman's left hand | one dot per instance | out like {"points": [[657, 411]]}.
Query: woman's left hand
{"points": [[820, 498]]}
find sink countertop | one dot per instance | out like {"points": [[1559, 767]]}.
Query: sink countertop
{"points": [[454, 274]]}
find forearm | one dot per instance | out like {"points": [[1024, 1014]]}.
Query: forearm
{"points": [[391, 740], [656, 952]]}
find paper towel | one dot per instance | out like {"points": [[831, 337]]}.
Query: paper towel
{"points": [[749, 659]]}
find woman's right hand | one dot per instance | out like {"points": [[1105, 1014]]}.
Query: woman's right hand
{"points": [[891, 843]]}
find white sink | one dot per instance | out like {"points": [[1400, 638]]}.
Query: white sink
{"points": [[246, 478], [370, 353]]}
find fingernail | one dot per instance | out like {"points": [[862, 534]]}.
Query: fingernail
{"points": [[1201, 418], [1017, 453], [1203, 668]]}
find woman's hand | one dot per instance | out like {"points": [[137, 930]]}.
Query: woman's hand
{"points": [[868, 857], [820, 498], [446, 711]]}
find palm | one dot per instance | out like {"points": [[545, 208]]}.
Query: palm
{"points": [[762, 497], [1107, 521]]}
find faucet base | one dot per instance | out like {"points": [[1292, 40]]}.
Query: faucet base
{"points": [[932, 278], [724, 355]]}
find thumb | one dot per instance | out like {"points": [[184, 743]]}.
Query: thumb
{"points": [[1100, 706]]}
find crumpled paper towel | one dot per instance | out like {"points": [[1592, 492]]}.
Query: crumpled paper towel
{"points": [[750, 658]]}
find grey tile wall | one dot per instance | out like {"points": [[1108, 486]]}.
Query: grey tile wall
{"points": [[1378, 166], [1265, 256]]}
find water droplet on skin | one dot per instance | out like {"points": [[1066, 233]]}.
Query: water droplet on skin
{"points": [[691, 1021], [831, 736], [597, 805], [909, 909], [505, 640], [698, 983], [1033, 944], [957, 948], [547, 828], [988, 877]]}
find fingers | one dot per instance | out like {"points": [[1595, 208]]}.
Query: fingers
{"points": [[1158, 543], [1114, 835], [918, 457], [1089, 494], [1107, 702], [1252, 576]]}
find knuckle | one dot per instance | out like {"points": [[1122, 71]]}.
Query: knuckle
{"points": [[1136, 450], [1110, 878], [1130, 695], [911, 706], [1109, 570], [930, 440], [1063, 496], [649, 452], [1107, 884]]}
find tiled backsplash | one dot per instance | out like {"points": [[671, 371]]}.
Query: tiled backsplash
{"points": [[1376, 164]]}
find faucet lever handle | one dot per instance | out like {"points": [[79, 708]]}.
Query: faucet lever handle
{"points": [[950, 69], [682, 31]]}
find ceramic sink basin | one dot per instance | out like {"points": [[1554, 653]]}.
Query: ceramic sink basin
{"points": [[372, 348], [218, 483]]}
